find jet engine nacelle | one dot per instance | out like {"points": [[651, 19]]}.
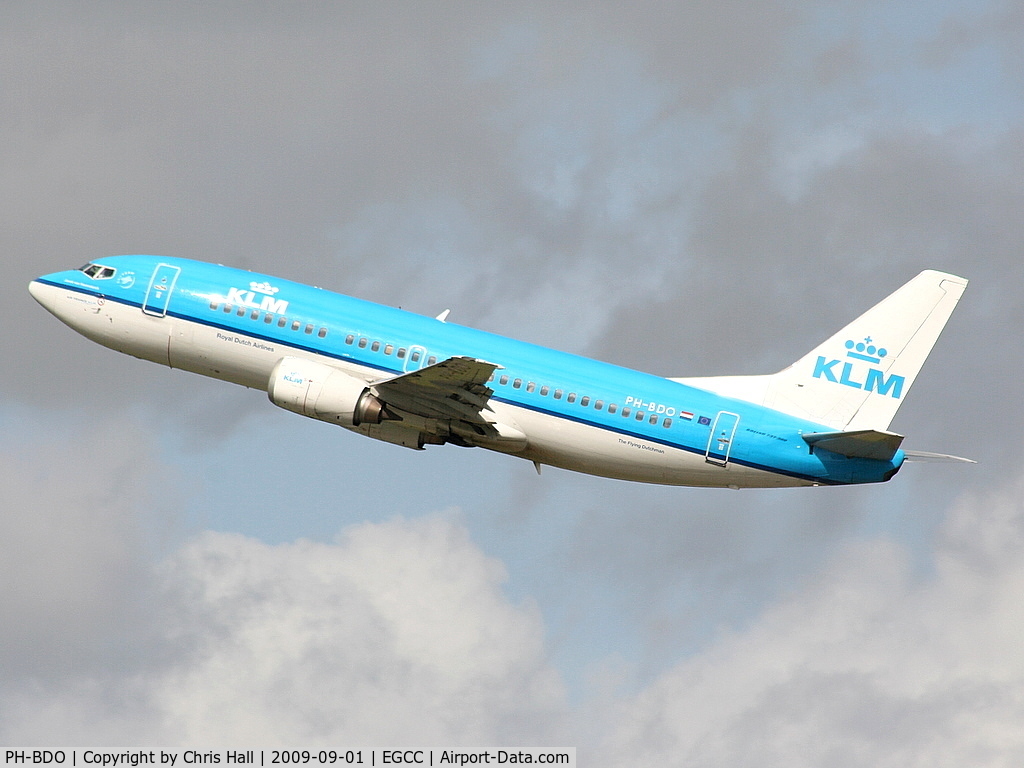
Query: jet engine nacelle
{"points": [[322, 392]]}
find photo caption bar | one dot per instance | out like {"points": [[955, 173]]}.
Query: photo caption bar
{"points": [[105, 758]]}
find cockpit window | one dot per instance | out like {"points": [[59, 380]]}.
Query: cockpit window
{"points": [[97, 271]]}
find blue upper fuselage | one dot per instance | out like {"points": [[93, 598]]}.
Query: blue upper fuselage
{"points": [[623, 401]]}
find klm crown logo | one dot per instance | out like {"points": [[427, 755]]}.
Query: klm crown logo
{"points": [[265, 288], [853, 374], [865, 351]]}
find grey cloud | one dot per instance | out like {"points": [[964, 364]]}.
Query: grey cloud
{"points": [[999, 25], [71, 567], [268, 138]]}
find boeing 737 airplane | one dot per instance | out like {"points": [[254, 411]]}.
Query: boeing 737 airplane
{"points": [[416, 381]]}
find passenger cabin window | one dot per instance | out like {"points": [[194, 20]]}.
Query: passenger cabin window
{"points": [[322, 333]]}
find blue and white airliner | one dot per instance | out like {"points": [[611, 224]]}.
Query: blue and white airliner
{"points": [[416, 381]]}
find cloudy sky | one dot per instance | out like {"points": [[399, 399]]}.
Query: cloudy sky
{"points": [[691, 189]]}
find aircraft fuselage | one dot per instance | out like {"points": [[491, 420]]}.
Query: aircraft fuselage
{"points": [[545, 406]]}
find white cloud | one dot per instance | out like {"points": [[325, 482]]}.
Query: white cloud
{"points": [[397, 634], [871, 664], [398, 631]]}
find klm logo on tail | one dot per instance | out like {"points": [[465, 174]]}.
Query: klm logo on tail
{"points": [[857, 375]]}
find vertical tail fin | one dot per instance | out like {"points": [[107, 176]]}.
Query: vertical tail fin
{"points": [[858, 378]]}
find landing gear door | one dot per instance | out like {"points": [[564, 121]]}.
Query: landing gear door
{"points": [[158, 295], [721, 438]]}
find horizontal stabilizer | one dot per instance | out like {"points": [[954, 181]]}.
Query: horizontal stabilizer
{"points": [[859, 444], [937, 458]]}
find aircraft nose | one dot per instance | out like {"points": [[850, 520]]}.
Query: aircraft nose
{"points": [[38, 291], [44, 290]]}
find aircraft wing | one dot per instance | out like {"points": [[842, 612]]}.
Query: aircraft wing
{"points": [[455, 388]]}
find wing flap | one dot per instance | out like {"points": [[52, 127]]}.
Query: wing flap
{"points": [[455, 388], [857, 444]]}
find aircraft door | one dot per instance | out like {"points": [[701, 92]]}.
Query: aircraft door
{"points": [[721, 438], [158, 295]]}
